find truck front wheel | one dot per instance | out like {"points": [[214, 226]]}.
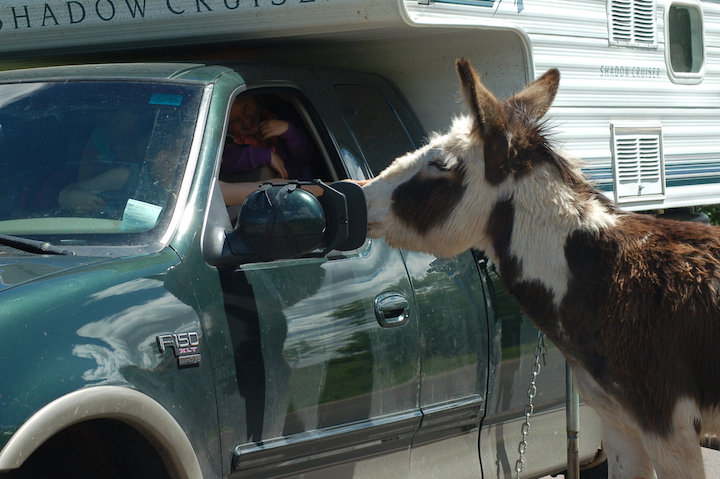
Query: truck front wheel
{"points": [[99, 448]]}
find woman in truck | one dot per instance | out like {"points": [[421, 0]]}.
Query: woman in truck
{"points": [[262, 145]]}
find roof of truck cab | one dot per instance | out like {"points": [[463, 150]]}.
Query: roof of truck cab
{"points": [[137, 71]]}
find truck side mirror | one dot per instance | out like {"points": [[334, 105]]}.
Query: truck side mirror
{"points": [[346, 208], [283, 221]]}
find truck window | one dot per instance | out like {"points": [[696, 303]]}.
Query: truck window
{"points": [[378, 130], [93, 163], [264, 127]]}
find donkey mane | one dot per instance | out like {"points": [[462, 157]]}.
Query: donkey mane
{"points": [[533, 143]]}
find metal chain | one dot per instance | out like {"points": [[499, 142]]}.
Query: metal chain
{"points": [[529, 409]]}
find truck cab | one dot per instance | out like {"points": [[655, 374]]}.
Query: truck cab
{"points": [[151, 338]]}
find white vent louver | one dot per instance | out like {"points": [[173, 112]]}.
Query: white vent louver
{"points": [[638, 165], [632, 23]]}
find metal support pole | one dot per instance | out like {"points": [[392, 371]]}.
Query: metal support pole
{"points": [[572, 414]]}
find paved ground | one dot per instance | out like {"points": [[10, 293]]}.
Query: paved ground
{"points": [[712, 464]]}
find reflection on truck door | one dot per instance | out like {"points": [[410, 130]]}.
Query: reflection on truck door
{"points": [[320, 361]]}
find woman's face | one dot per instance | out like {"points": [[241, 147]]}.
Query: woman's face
{"points": [[244, 117]]}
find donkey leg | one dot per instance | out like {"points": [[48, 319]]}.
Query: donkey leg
{"points": [[678, 455], [626, 455]]}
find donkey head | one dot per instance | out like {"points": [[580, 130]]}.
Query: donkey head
{"points": [[439, 198]]}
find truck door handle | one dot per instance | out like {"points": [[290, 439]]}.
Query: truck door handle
{"points": [[392, 310]]}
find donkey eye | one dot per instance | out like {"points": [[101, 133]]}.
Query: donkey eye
{"points": [[438, 165]]}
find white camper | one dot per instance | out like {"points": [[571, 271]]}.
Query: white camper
{"points": [[638, 99]]}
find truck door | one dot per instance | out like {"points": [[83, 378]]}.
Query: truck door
{"points": [[449, 296], [326, 349]]}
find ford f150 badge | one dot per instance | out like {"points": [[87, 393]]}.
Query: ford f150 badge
{"points": [[185, 345]]}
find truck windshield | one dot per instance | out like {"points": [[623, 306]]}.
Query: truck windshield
{"points": [[93, 163]]}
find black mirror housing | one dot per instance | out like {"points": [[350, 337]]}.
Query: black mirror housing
{"points": [[280, 222], [283, 221]]}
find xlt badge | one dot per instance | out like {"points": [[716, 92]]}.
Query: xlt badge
{"points": [[185, 345]]}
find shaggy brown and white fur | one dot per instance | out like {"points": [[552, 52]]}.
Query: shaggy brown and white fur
{"points": [[631, 301]]}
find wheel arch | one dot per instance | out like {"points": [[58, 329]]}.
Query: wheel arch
{"points": [[132, 407]]}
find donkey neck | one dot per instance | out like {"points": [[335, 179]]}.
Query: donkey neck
{"points": [[540, 214]]}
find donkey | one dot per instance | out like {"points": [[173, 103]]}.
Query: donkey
{"points": [[631, 301]]}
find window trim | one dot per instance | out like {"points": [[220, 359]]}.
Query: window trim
{"points": [[684, 78]]}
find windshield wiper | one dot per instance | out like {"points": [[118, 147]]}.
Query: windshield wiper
{"points": [[32, 246]]}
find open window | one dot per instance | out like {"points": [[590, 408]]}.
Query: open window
{"points": [[301, 147], [247, 154]]}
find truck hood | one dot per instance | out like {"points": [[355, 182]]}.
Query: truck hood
{"points": [[18, 270]]}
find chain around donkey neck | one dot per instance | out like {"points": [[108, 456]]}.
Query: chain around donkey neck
{"points": [[529, 409]]}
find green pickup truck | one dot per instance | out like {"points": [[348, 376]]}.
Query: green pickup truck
{"points": [[164, 334]]}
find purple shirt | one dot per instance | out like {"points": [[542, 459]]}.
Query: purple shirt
{"points": [[295, 149]]}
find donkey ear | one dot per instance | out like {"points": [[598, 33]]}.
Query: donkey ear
{"points": [[484, 106], [539, 95]]}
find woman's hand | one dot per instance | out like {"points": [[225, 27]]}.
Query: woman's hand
{"points": [[277, 164], [270, 128]]}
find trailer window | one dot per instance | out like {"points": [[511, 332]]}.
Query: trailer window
{"points": [[685, 49]]}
